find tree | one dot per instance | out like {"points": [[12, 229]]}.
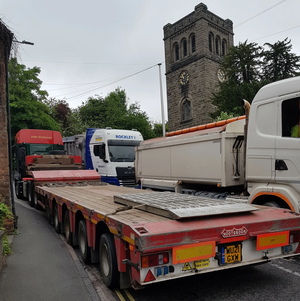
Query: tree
{"points": [[59, 111], [27, 109], [115, 112], [69, 119], [279, 62], [242, 68], [75, 125], [135, 118], [230, 96], [248, 67], [243, 63], [158, 129]]}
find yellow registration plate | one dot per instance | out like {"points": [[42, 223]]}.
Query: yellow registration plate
{"points": [[231, 253]]}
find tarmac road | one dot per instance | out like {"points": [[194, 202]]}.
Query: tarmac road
{"points": [[41, 266]]}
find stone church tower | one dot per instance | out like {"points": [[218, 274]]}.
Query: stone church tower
{"points": [[194, 48]]}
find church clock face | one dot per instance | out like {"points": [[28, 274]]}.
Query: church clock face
{"points": [[221, 76], [184, 78]]}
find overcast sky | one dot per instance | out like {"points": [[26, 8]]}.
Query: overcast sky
{"points": [[86, 47]]}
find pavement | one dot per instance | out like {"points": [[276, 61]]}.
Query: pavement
{"points": [[42, 266]]}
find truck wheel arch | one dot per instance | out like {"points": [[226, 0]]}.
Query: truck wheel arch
{"points": [[279, 199]]}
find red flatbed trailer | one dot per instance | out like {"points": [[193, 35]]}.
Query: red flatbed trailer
{"points": [[141, 238]]}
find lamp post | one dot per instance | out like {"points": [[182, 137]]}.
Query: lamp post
{"points": [[23, 42], [162, 103]]}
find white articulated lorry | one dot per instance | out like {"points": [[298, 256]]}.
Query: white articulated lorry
{"points": [[220, 161], [109, 151]]}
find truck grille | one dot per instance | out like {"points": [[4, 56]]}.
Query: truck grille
{"points": [[127, 182], [126, 176]]}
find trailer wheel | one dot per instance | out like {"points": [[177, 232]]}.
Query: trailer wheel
{"points": [[37, 206], [68, 234], [48, 211], [108, 261], [30, 194], [56, 220], [83, 243]]}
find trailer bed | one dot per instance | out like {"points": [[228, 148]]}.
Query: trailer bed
{"points": [[152, 246], [100, 202]]}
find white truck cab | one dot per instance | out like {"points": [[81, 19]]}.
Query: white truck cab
{"points": [[110, 152], [273, 145]]}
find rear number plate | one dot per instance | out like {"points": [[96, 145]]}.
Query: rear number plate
{"points": [[231, 253]]}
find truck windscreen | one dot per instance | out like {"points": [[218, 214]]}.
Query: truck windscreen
{"points": [[45, 149], [122, 151]]}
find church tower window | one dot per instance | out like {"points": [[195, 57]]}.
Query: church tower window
{"points": [[224, 47], [210, 42], [186, 110], [193, 42], [176, 52], [218, 45], [184, 48]]}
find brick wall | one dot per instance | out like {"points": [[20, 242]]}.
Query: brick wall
{"points": [[5, 41], [201, 65], [4, 161]]}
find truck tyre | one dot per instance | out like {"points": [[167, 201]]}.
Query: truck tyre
{"points": [[30, 194], [83, 243], [56, 220], [17, 190], [35, 200], [48, 211], [108, 261], [68, 234], [271, 204]]}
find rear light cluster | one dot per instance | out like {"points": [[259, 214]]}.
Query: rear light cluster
{"points": [[294, 238], [154, 260]]}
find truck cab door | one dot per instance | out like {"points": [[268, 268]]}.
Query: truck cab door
{"points": [[261, 137], [287, 152], [99, 160]]}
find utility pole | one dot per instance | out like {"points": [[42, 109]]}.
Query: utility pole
{"points": [[162, 102]]}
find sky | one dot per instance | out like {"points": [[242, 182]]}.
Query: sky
{"points": [[91, 47]]}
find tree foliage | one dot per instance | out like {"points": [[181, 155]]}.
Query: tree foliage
{"points": [[115, 112], [27, 109], [242, 64], [279, 62], [247, 68], [75, 125], [158, 129], [69, 119], [59, 110]]}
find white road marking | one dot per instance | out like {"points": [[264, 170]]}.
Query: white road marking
{"points": [[285, 269]]}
